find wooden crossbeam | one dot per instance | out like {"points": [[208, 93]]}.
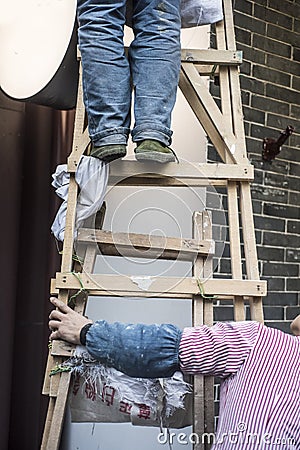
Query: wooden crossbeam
{"points": [[190, 174], [207, 112], [160, 286], [145, 245], [212, 56]]}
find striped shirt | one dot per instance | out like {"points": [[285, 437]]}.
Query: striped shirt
{"points": [[260, 382]]}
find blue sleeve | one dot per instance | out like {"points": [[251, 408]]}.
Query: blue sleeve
{"points": [[138, 350]]}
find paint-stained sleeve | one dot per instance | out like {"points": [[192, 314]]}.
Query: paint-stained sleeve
{"points": [[219, 350], [138, 350]]}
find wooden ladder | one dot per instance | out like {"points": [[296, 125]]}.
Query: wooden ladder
{"points": [[224, 127]]}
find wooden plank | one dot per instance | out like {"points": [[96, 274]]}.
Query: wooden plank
{"points": [[82, 143], [209, 410], [111, 285], [144, 245], [198, 319], [58, 412], [185, 173], [92, 251], [228, 105], [47, 425], [62, 349], [67, 254], [256, 307], [231, 103], [52, 385], [234, 83], [229, 25], [212, 56], [206, 110], [206, 99], [90, 258], [49, 366], [167, 182], [235, 247], [80, 139], [193, 98]]}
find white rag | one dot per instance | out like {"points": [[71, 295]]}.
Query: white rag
{"points": [[193, 12], [200, 12], [91, 177]]}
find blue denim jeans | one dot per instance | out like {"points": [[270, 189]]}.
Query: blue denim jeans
{"points": [[152, 68]]}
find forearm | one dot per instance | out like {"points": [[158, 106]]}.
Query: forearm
{"points": [[138, 350]]}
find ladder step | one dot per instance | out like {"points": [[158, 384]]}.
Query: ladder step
{"points": [[151, 286], [134, 173], [206, 56], [145, 245], [212, 56]]}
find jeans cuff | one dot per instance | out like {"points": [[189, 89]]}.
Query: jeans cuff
{"points": [[152, 131], [110, 137]]}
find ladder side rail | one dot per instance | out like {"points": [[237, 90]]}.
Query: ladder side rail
{"points": [[237, 111], [256, 309], [256, 304], [228, 106], [207, 272], [52, 385], [198, 319]]}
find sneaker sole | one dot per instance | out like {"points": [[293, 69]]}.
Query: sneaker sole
{"points": [[109, 155], [159, 157]]}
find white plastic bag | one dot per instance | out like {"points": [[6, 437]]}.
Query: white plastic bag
{"points": [[91, 177], [103, 394]]}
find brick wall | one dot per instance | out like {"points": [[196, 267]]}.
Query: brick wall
{"points": [[268, 34]]}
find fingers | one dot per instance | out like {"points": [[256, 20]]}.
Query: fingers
{"points": [[54, 335], [59, 304], [56, 315], [53, 325], [65, 323]]}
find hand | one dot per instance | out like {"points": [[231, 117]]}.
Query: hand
{"points": [[65, 323], [295, 326]]}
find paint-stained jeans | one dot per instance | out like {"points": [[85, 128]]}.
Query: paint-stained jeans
{"points": [[152, 66], [138, 350]]}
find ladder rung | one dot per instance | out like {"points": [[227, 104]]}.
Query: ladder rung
{"points": [[145, 245], [206, 56], [114, 285], [212, 56], [188, 174]]}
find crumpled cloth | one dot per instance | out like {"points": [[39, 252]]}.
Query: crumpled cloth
{"points": [[91, 177], [200, 12], [194, 13], [104, 394]]}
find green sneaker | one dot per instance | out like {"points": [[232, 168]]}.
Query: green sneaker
{"points": [[154, 151], [109, 153]]}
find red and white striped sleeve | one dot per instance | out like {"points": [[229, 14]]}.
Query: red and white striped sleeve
{"points": [[219, 350]]}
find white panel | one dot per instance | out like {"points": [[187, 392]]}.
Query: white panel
{"points": [[35, 35]]}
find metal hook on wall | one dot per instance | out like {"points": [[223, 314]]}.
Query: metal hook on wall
{"points": [[271, 147]]}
